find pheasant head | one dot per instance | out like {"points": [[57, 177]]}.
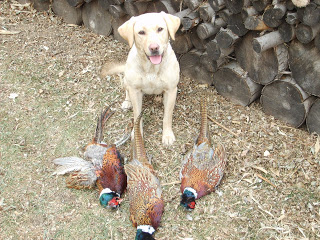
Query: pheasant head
{"points": [[188, 198], [144, 232], [110, 199]]}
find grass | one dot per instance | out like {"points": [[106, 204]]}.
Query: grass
{"points": [[60, 95]]}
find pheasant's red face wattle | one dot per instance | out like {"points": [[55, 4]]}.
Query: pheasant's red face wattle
{"points": [[115, 202], [192, 205]]}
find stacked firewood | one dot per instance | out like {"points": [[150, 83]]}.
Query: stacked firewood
{"points": [[247, 49]]}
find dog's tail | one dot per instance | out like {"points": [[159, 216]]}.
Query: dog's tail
{"points": [[111, 68]]}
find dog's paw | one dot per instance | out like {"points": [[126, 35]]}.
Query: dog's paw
{"points": [[168, 138], [126, 105]]}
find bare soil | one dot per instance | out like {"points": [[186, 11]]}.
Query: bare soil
{"points": [[51, 93]]}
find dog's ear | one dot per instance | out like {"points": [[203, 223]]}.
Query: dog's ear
{"points": [[173, 23], [126, 31]]}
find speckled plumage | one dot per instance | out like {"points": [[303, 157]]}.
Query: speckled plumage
{"points": [[102, 166], [143, 190], [203, 167]]}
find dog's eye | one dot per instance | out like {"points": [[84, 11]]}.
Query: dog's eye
{"points": [[160, 29], [142, 32]]}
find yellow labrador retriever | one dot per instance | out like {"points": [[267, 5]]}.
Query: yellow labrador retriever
{"points": [[151, 67]]}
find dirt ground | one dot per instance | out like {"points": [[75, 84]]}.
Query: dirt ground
{"points": [[51, 95]]}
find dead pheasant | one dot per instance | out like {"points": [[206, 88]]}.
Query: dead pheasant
{"points": [[203, 167], [144, 191], [103, 167]]}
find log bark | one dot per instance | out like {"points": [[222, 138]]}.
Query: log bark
{"points": [[104, 4], [260, 5], [40, 5], [304, 62], [311, 14], [255, 23], [267, 41], [208, 63], [232, 82], [235, 6], [285, 100], [190, 21], [116, 23], [69, 14], [217, 4], [192, 4], [161, 5], [191, 67], [96, 18], [292, 18], [182, 43], [135, 8], [117, 11], [197, 42], [263, 67], [287, 32], [248, 11], [207, 14], [305, 33], [226, 38], [273, 15], [236, 25], [312, 121], [75, 3], [317, 41], [206, 30]]}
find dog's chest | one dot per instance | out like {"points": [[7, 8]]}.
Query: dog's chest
{"points": [[152, 84]]}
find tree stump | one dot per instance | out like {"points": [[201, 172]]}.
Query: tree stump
{"points": [[304, 62], [68, 13], [191, 67], [96, 18], [312, 121], [232, 82], [285, 100], [262, 67]]}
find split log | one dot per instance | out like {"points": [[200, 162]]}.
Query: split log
{"points": [[232, 82], [216, 4], [317, 41], [290, 6], [312, 121], [96, 18], [262, 67], [206, 30], [197, 42], [117, 11], [75, 3], [255, 23], [287, 32], [235, 6], [207, 14], [213, 49], [305, 33], [161, 5], [273, 15], [226, 38], [224, 14], [311, 14], [105, 4], [191, 67], [304, 62], [182, 43], [267, 41], [236, 25], [260, 5], [192, 4], [190, 21], [292, 18], [285, 100], [135, 8], [210, 64], [69, 14], [116, 23], [248, 11]]}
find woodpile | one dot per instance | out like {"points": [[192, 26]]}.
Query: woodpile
{"points": [[247, 49]]}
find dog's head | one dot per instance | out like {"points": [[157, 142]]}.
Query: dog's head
{"points": [[150, 33]]}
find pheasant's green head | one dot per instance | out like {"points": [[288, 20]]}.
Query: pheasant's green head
{"points": [[188, 198], [109, 199], [144, 232]]}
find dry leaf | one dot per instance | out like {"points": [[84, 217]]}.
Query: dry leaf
{"points": [[317, 146], [7, 32]]}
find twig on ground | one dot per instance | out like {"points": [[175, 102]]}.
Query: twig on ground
{"points": [[220, 125], [171, 183], [266, 180]]}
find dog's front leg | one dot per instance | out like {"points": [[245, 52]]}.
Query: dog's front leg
{"points": [[169, 100], [136, 101]]}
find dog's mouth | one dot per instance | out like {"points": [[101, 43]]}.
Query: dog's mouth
{"points": [[155, 59]]}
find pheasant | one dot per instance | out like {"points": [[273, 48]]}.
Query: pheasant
{"points": [[103, 167], [144, 191], [203, 166]]}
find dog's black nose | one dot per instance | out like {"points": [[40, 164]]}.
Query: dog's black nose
{"points": [[154, 47]]}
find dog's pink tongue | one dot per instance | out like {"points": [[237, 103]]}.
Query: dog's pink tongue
{"points": [[155, 59]]}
